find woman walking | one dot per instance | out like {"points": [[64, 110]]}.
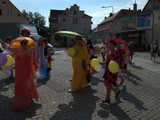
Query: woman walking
{"points": [[111, 78]]}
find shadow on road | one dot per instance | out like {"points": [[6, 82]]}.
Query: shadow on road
{"points": [[135, 66], [41, 82], [116, 110], [133, 78], [113, 109], [95, 80], [132, 99], [81, 108], [6, 112], [5, 82]]}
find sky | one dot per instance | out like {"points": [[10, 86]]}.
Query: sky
{"points": [[91, 7]]}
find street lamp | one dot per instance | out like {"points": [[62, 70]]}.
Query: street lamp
{"points": [[109, 7]]}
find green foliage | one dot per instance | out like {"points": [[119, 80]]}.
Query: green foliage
{"points": [[38, 21]]}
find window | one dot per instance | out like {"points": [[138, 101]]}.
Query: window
{"points": [[75, 20], [75, 12], [9, 12], [55, 19], [0, 12]]}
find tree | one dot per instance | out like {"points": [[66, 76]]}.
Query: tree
{"points": [[38, 21]]}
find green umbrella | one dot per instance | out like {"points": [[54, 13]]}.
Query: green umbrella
{"points": [[67, 34]]}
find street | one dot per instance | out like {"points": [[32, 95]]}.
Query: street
{"points": [[139, 100]]}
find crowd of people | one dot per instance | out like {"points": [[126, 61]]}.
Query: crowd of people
{"points": [[115, 49], [29, 60]]}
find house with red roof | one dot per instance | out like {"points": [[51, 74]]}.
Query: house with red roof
{"points": [[141, 27], [116, 24]]}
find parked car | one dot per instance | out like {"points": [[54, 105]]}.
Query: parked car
{"points": [[13, 30]]}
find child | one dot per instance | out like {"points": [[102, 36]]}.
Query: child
{"points": [[111, 78]]}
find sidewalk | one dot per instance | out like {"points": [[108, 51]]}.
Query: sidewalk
{"points": [[143, 59]]}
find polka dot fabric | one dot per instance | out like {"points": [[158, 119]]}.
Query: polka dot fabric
{"points": [[111, 78]]}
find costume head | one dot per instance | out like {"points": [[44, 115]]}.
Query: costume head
{"points": [[112, 43], [25, 32], [24, 43], [79, 41], [120, 43]]}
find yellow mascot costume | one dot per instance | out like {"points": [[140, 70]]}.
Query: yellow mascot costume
{"points": [[79, 55]]}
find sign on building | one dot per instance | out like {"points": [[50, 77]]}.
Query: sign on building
{"points": [[144, 21]]}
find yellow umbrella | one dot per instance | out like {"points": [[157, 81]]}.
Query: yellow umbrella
{"points": [[17, 42]]}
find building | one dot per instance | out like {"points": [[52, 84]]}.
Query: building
{"points": [[141, 27], [10, 14], [149, 23], [103, 30], [71, 19], [10, 20], [119, 24]]}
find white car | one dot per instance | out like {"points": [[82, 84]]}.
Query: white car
{"points": [[52, 49]]}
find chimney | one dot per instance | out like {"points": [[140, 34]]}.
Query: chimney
{"points": [[105, 17], [111, 14]]}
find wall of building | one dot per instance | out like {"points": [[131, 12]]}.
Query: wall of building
{"points": [[153, 35], [10, 14], [74, 20], [154, 7], [157, 25]]}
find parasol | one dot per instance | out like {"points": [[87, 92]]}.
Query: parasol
{"points": [[17, 42], [69, 34]]}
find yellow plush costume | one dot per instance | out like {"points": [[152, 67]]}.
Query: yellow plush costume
{"points": [[79, 79]]}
